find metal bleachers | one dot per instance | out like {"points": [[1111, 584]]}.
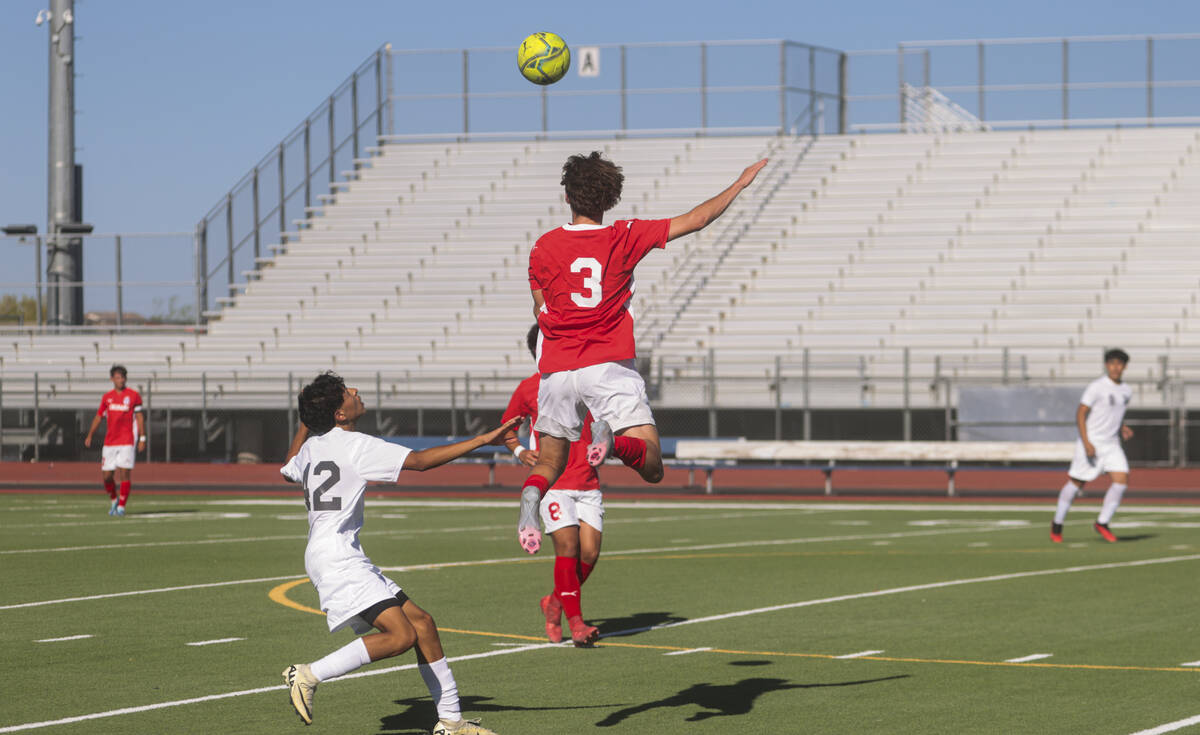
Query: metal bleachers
{"points": [[950, 248]]}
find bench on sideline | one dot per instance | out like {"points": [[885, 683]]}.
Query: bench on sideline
{"points": [[860, 452]]}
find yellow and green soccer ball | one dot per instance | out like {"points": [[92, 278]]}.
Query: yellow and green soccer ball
{"points": [[543, 58]]}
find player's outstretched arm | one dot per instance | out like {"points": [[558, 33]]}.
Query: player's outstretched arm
{"points": [[87, 440], [703, 215], [427, 459]]}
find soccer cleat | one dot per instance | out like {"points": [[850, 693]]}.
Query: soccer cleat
{"points": [[582, 634], [120, 511], [1056, 533], [460, 727], [552, 609], [302, 684], [528, 534], [602, 443], [1107, 535], [112, 509]]}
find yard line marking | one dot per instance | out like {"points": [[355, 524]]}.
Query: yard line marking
{"points": [[215, 640], [66, 638], [521, 560], [1191, 663], [1030, 657], [860, 654], [914, 588], [376, 534], [688, 650], [260, 690], [1170, 726]]}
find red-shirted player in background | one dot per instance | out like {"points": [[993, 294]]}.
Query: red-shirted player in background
{"points": [[572, 513], [119, 406], [581, 276]]}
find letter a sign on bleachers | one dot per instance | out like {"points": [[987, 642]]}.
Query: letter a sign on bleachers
{"points": [[589, 61]]}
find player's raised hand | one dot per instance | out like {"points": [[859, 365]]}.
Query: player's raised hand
{"points": [[751, 171], [503, 431]]}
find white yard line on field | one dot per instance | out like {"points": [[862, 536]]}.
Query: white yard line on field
{"points": [[65, 638], [1170, 726], [1026, 659], [214, 641], [914, 588], [541, 646], [690, 650], [374, 534], [860, 654], [1191, 663], [511, 560]]}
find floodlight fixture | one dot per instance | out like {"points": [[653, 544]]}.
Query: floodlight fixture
{"points": [[19, 229], [75, 228]]}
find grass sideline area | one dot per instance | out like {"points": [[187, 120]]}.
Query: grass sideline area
{"points": [[718, 617]]}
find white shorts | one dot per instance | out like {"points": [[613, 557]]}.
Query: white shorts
{"points": [[116, 455], [348, 588], [1109, 458], [562, 508], [612, 391]]}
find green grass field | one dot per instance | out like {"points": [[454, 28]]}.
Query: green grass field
{"points": [[764, 605]]}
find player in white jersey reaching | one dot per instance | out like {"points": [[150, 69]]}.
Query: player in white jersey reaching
{"points": [[1101, 422], [333, 463]]}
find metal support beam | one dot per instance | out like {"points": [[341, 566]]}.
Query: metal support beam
{"points": [[843, 86], [65, 266], [466, 91], [120, 301], [1066, 81]]}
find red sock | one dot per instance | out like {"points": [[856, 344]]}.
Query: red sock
{"points": [[125, 487], [537, 481], [110, 487], [566, 585], [585, 570], [630, 450]]}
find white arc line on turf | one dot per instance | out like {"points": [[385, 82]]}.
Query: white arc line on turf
{"points": [[1191, 663], [860, 654], [215, 640], [913, 588], [259, 690], [690, 650], [1170, 726], [1026, 659], [66, 638]]}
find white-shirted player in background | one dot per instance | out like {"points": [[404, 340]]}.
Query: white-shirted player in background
{"points": [[1101, 422], [333, 463]]}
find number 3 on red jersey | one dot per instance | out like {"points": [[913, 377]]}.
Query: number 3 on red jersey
{"points": [[591, 282]]}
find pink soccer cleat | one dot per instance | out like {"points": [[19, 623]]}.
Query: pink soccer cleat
{"points": [[530, 539], [582, 634], [602, 443]]}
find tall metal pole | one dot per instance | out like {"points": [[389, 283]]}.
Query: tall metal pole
{"points": [[466, 80], [843, 87], [982, 82], [1150, 82], [624, 101], [120, 301], [900, 86], [703, 86], [38, 277], [65, 262], [783, 87], [1066, 76]]}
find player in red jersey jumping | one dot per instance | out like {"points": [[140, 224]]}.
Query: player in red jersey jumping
{"points": [[581, 278], [572, 513], [119, 407]]}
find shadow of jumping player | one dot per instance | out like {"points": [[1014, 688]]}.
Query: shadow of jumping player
{"points": [[725, 700], [420, 712]]}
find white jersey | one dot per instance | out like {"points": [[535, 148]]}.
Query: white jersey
{"points": [[334, 469], [1107, 402]]}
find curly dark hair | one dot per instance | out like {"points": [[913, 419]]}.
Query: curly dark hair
{"points": [[1117, 354], [593, 184], [531, 339], [118, 369], [320, 400]]}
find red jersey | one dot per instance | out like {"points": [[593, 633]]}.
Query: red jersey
{"points": [[578, 474], [118, 407], [585, 274]]}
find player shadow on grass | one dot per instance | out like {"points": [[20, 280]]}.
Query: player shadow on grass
{"points": [[725, 700], [421, 712], [634, 624]]}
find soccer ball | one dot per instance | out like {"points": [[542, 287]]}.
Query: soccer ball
{"points": [[543, 58]]}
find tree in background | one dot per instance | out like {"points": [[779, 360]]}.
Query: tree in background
{"points": [[18, 309]]}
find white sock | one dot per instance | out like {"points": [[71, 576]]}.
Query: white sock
{"points": [[442, 688], [1066, 496], [342, 661], [1112, 499]]}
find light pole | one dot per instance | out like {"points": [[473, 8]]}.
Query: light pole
{"points": [[64, 180]]}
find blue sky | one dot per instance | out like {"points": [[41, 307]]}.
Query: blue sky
{"points": [[178, 100]]}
